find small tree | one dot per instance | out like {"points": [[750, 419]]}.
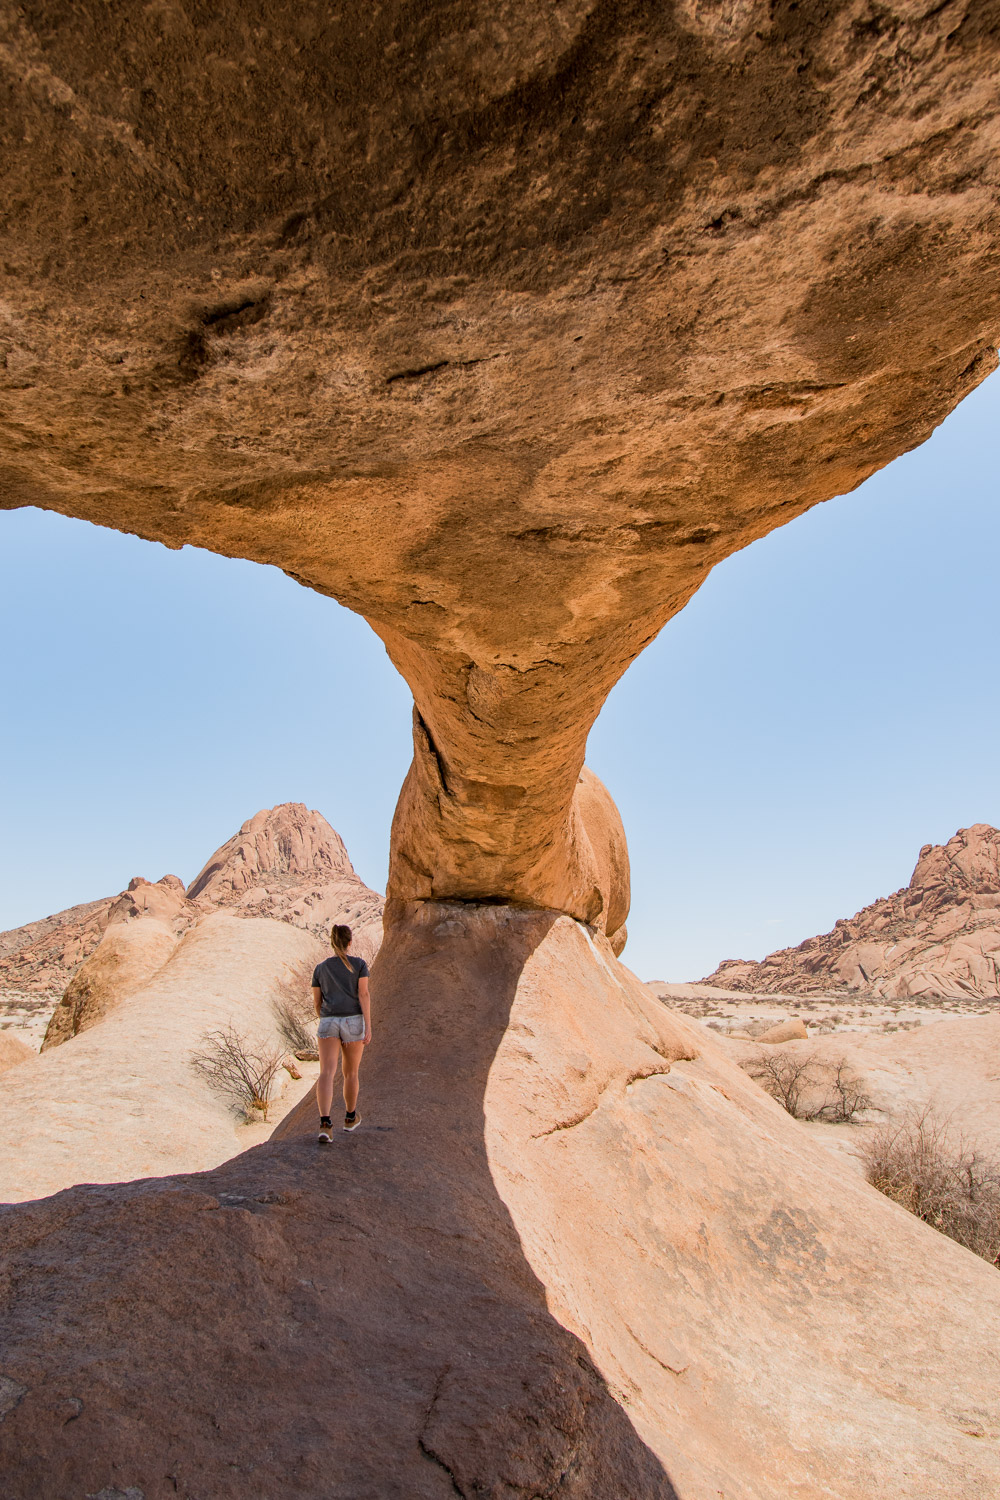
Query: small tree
{"points": [[294, 1028], [293, 1012], [808, 1087], [243, 1072], [785, 1076], [848, 1095]]}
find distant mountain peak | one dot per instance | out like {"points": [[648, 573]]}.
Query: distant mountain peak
{"points": [[286, 843], [285, 863]]}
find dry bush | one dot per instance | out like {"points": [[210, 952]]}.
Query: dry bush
{"points": [[294, 1015], [243, 1072], [926, 1166], [809, 1088], [848, 1095], [786, 1076]]}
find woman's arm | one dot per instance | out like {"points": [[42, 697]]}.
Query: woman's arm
{"points": [[366, 1006], [317, 999]]}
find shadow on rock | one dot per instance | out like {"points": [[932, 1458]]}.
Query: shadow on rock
{"points": [[356, 1322]]}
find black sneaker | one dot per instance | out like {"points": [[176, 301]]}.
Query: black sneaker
{"points": [[352, 1120], [325, 1130]]}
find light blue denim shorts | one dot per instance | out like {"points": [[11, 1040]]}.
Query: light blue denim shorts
{"points": [[346, 1028]]}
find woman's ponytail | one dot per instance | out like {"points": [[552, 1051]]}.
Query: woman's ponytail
{"points": [[340, 941]]}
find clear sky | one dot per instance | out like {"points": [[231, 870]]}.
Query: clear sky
{"points": [[828, 702]]}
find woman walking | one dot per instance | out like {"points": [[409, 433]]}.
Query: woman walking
{"points": [[340, 995]]}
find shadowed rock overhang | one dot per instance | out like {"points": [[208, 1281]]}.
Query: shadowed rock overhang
{"points": [[501, 332]]}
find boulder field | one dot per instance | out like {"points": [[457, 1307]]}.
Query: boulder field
{"points": [[572, 1252]]}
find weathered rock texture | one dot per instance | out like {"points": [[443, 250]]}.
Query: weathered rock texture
{"points": [[13, 1051], [128, 955], [501, 329], [940, 935], [640, 1280], [286, 862], [121, 1100]]}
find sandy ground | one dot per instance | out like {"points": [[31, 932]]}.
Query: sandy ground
{"points": [[732, 1011], [26, 1015]]}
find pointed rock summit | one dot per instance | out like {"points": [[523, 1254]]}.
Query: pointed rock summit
{"points": [[285, 845], [287, 863], [937, 936]]}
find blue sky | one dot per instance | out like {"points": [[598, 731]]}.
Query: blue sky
{"points": [[826, 704]]}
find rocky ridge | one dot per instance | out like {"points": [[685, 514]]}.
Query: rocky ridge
{"points": [[286, 863], [937, 936], [289, 864]]}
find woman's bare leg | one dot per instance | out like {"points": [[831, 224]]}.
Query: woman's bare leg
{"points": [[352, 1062], [329, 1052]]}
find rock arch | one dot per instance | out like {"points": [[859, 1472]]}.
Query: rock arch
{"points": [[503, 334], [501, 326]]}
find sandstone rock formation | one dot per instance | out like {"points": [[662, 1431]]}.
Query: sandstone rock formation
{"points": [[12, 1051], [938, 936], [39, 960], [639, 1285], [500, 332], [286, 862], [785, 1031], [502, 328], [120, 1100], [128, 955]]}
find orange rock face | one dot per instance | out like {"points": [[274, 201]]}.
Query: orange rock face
{"points": [[940, 935], [573, 1251], [503, 334]]}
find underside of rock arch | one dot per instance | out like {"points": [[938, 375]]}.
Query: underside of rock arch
{"points": [[502, 325]]}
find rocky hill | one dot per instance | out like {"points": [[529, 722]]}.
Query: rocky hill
{"points": [[286, 863], [937, 936], [289, 864]]}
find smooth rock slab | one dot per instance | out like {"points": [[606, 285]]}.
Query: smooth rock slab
{"points": [[763, 1323]]}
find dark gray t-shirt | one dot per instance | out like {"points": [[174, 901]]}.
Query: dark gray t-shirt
{"points": [[339, 986]]}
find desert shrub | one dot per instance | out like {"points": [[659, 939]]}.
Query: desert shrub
{"points": [[293, 1023], [786, 1076], [926, 1166], [847, 1094], [294, 1014], [808, 1087], [242, 1071]]}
